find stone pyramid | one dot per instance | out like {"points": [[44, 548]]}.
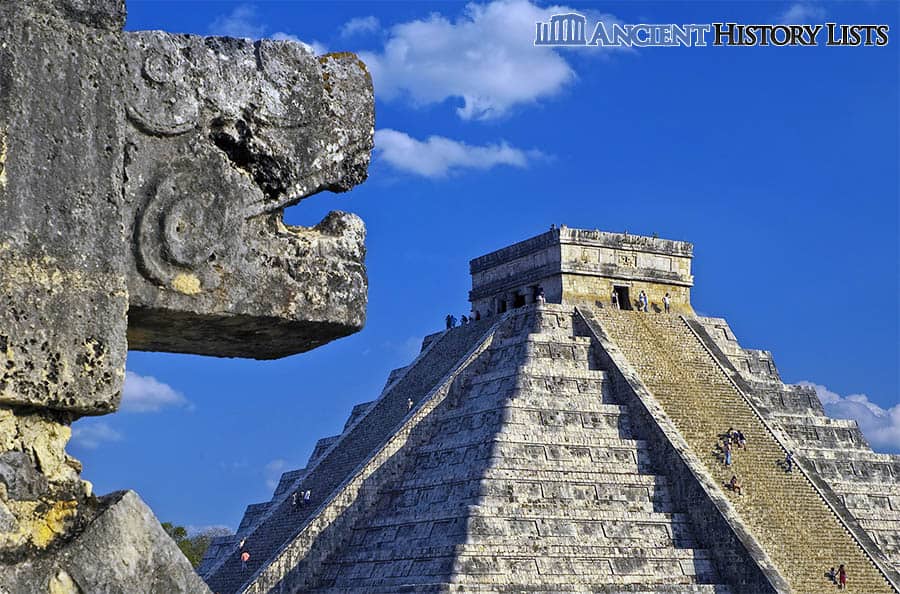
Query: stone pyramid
{"points": [[572, 447]]}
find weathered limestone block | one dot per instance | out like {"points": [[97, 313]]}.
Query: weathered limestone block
{"points": [[224, 134], [40, 490], [102, 14], [149, 172], [143, 178], [62, 244], [145, 559]]}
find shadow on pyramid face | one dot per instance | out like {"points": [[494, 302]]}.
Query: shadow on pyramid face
{"points": [[523, 454]]}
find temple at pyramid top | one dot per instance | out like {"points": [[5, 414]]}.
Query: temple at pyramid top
{"points": [[582, 267]]}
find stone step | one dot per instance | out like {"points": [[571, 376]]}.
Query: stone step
{"points": [[500, 571], [866, 487], [881, 516], [590, 402], [784, 512], [574, 436], [559, 519], [579, 588], [600, 437], [523, 477], [541, 338], [541, 370], [575, 476], [529, 549], [525, 408]]}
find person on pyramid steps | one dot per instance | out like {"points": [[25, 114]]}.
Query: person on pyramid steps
{"points": [[842, 577], [735, 485], [789, 462], [726, 447]]}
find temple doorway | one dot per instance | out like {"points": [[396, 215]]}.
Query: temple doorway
{"points": [[624, 298]]}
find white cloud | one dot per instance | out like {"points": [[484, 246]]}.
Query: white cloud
{"points": [[240, 22], [437, 156], [801, 13], [144, 393], [91, 433], [880, 426], [244, 22], [273, 471], [360, 25], [486, 58]]}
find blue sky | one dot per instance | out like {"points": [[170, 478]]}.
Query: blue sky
{"points": [[779, 164]]}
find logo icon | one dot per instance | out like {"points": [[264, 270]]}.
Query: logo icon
{"points": [[563, 29]]}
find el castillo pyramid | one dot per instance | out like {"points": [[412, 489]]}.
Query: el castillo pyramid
{"points": [[563, 443]]}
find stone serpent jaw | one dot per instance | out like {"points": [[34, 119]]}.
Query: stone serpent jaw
{"points": [[143, 178], [210, 168]]}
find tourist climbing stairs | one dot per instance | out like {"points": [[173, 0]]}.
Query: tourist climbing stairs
{"points": [[800, 532]]}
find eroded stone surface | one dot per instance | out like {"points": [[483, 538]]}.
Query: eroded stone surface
{"points": [[62, 244], [142, 182], [224, 133], [155, 182], [40, 490], [145, 560]]}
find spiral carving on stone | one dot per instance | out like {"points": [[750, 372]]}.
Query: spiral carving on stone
{"points": [[187, 225], [158, 96]]}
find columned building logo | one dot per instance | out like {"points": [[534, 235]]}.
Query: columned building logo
{"points": [[563, 29]]}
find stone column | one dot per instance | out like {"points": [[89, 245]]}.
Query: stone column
{"points": [[143, 178]]}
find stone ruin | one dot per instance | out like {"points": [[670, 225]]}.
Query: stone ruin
{"points": [[566, 446], [142, 182], [575, 446]]}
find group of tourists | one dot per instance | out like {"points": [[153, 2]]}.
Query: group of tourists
{"points": [[463, 320], [301, 497], [643, 301], [838, 577], [475, 314], [732, 439], [297, 498]]}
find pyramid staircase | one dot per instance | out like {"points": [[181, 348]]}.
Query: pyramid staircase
{"points": [[279, 522], [801, 533], [834, 451], [530, 478], [518, 471], [549, 450]]}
